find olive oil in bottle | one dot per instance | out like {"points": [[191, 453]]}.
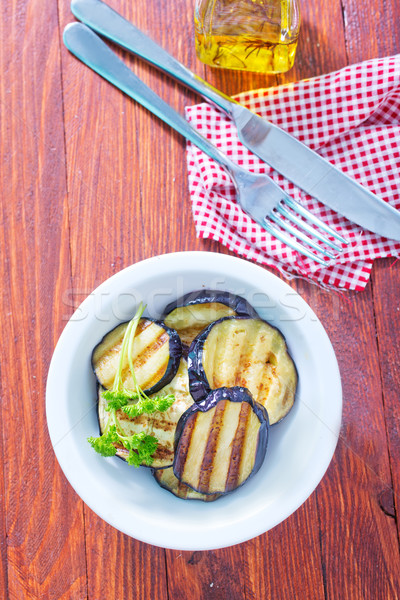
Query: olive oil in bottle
{"points": [[252, 35]]}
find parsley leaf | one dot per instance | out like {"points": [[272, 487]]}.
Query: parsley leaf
{"points": [[116, 400], [103, 445], [149, 405], [142, 447]]}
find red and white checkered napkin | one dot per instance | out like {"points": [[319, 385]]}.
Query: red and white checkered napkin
{"points": [[352, 118]]}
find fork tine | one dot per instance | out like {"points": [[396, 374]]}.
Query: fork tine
{"points": [[299, 234], [297, 207], [304, 225], [286, 239]]}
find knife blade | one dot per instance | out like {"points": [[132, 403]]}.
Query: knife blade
{"points": [[284, 153]]}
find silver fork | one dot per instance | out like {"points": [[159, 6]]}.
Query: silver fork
{"points": [[258, 195], [279, 214]]}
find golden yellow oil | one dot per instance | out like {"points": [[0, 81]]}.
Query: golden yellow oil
{"points": [[245, 53], [253, 35]]}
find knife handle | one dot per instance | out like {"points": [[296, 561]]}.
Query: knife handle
{"points": [[91, 50], [102, 18]]}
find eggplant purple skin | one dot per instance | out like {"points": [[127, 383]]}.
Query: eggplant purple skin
{"points": [[175, 353], [233, 394], [205, 296], [198, 382]]}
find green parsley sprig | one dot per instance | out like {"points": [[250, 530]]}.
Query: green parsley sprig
{"points": [[148, 405], [133, 403], [140, 445]]}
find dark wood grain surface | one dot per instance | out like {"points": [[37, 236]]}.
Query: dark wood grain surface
{"points": [[91, 183]]}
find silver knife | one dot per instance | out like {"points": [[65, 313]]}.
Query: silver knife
{"points": [[298, 163]]}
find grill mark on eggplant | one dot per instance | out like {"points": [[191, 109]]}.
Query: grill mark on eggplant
{"points": [[164, 425], [140, 420], [221, 351], [265, 385], [244, 363], [256, 354], [239, 353], [110, 340], [182, 489], [249, 448], [156, 376], [184, 445], [258, 378], [224, 346], [113, 354], [154, 345], [188, 334], [233, 341], [210, 451], [232, 479], [158, 341], [211, 352], [164, 454], [167, 480], [224, 450], [106, 356], [142, 325], [154, 423]]}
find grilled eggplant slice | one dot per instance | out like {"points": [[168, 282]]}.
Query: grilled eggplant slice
{"points": [[160, 424], [167, 480], [221, 441], [246, 352], [157, 351], [194, 311]]}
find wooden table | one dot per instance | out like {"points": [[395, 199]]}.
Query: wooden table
{"points": [[91, 183]]}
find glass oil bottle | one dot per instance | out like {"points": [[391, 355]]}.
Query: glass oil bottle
{"points": [[252, 35]]}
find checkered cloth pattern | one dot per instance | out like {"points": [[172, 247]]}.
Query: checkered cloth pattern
{"points": [[350, 117]]}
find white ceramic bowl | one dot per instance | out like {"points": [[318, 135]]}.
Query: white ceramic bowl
{"points": [[300, 447]]}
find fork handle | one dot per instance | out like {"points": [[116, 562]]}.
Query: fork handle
{"points": [[102, 18], [91, 50]]}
